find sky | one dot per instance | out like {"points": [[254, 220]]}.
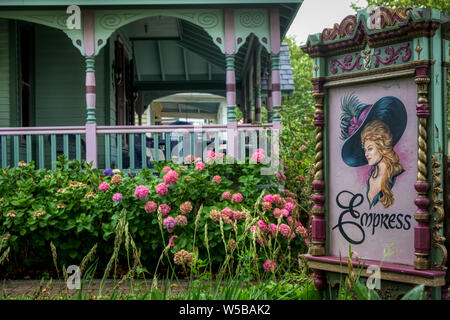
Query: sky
{"points": [[316, 15]]}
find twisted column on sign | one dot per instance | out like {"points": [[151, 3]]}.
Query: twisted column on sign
{"points": [[318, 211], [422, 234]]}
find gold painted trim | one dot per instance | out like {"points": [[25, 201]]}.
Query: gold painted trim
{"points": [[438, 239], [370, 78], [385, 275]]}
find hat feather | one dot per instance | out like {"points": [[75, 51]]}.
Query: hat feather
{"points": [[351, 107]]}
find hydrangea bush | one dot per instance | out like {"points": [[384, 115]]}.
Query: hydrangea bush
{"points": [[75, 207]]}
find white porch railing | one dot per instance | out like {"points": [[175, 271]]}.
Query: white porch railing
{"points": [[130, 148]]}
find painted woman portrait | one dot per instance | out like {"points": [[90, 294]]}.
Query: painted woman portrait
{"points": [[370, 133]]}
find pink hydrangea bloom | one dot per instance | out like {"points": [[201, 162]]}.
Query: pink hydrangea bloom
{"points": [[262, 225], [239, 215], [289, 220], [141, 192], [169, 222], [281, 176], [171, 177], [211, 154], [258, 155], [151, 206], [117, 197], [181, 220], [217, 179], [167, 169], [268, 198], [104, 186], [285, 212], [277, 213], [237, 197], [269, 266], [273, 228], [162, 189], [289, 206], [285, 230], [186, 207], [227, 212], [226, 195], [200, 166], [164, 208], [276, 198], [172, 244]]}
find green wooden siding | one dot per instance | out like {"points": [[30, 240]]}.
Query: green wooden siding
{"points": [[4, 74], [60, 94], [60, 81]]}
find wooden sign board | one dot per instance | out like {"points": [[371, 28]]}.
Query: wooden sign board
{"points": [[380, 88]]}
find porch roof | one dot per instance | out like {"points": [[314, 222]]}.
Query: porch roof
{"points": [[288, 8]]}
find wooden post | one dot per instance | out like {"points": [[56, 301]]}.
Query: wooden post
{"points": [[230, 50], [89, 52], [258, 100], [275, 62]]}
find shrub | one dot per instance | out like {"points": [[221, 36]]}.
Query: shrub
{"points": [[76, 207]]}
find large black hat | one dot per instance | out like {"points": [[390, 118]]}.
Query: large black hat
{"points": [[355, 116]]}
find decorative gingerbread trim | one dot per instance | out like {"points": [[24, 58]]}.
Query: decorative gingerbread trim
{"points": [[387, 26]]}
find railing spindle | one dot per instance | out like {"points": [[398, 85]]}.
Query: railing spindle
{"points": [[107, 151], [192, 143], [119, 151], [168, 145], [131, 150], [216, 141], [253, 142], [66, 147], [144, 150], [241, 145], [28, 146], [41, 151], [16, 150], [4, 154], [156, 146], [78, 147], [53, 150], [180, 149], [204, 145]]}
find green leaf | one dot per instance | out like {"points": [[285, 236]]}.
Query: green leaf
{"points": [[416, 293]]}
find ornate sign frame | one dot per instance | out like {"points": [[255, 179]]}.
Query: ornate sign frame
{"points": [[371, 47]]}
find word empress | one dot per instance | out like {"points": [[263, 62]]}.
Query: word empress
{"points": [[387, 221]]}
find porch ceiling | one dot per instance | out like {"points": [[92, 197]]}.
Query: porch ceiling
{"points": [[182, 59]]}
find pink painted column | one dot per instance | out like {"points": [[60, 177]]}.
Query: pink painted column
{"points": [[89, 53], [269, 99], [230, 50], [258, 100], [275, 61]]}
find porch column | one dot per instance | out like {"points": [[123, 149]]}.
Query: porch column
{"points": [[230, 50], [275, 62], [251, 95], [89, 52], [258, 100], [269, 100]]}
